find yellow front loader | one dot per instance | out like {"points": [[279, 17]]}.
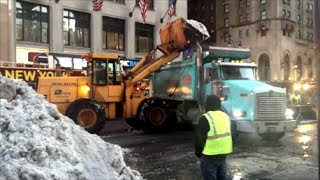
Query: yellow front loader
{"points": [[105, 93]]}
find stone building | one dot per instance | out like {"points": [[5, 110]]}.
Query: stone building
{"points": [[72, 27], [204, 11], [280, 34]]}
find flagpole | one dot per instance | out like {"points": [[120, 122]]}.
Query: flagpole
{"points": [[161, 20], [130, 13]]}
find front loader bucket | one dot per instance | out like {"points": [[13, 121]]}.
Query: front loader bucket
{"points": [[179, 34]]}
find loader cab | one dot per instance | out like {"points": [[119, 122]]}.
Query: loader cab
{"points": [[104, 69]]}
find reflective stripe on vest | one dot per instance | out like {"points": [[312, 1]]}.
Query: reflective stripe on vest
{"points": [[215, 134], [219, 139]]}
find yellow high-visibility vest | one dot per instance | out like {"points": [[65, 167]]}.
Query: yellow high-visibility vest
{"points": [[219, 140]]}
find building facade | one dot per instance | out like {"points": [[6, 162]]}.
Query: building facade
{"points": [[72, 27], [280, 34], [204, 11]]}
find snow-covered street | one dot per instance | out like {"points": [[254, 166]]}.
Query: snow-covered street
{"points": [[171, 156]]}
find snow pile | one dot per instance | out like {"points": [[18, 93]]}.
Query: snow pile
{"points": [[199, 26], [37, 142]]}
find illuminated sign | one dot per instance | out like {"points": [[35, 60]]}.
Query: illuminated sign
{"points": [[129, 63]]}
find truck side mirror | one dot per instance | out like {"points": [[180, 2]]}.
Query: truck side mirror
{"points": [[206, 75], [210, 74]]}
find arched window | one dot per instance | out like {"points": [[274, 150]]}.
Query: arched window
{"points": [[298, 67], [286, 67], [310, 68], [264, 67]]}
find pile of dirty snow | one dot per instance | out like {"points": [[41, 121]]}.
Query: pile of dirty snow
{"points": [[37, 142], [199, 26]]}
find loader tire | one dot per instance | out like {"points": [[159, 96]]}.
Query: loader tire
{"points": [[88, 114], [156, 116]]}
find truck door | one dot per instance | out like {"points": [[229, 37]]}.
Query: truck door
{"points": [[215, 86], [211, 79]]}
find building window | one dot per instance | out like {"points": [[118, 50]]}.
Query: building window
{"points": [[76, 28], [226, 37], [263, 1], [144, 38], [241, 18], [226, 22], [310, 72], [286, 67], [248, 17], [203, 7], [240, 3], [286, 2], [113, 33], [248, 2], [150, 4], [309, 36], [118, 1], [299, 34], [263, 15], [226, 8], [247, 33], [309, 22], [212, 19], [211, 6], [299, 69], [32, 22], [310, 7], [240, 34], [288, 15]]}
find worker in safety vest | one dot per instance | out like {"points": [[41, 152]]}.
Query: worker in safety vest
{"points": [[295, 98], [213, 140]]}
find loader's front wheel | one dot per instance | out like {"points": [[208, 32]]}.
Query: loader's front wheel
{"points": [[87, 113], [156, 116]]}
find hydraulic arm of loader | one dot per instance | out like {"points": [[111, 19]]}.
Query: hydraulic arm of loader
{"points": [[175, 37]]}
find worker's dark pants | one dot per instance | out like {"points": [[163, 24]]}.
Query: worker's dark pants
{"points": [[213, 170]]}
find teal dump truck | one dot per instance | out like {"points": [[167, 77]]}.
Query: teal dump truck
{"points": [[180, 88]]}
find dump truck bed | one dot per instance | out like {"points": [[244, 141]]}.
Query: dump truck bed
{"points": [[177, 80]]}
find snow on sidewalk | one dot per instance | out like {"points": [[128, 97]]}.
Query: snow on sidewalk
{"points": [[37, 142]]}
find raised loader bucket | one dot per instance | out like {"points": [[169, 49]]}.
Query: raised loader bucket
{"points": [[179, 34]]}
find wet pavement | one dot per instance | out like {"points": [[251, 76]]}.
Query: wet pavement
{"points": [[171, 155]]}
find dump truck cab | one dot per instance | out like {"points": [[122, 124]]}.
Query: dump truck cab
{"points": [[253, 106]]}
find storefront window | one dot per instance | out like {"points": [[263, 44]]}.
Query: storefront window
{"points": [[113, 33], [76, 28], [144, 38], [32, 22]]}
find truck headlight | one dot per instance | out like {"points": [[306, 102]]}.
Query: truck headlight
{"points": [[289, 113], [238, 113]]}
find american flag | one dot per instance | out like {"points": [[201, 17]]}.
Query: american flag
{"points": [[143, 8], [172, 8], [97, 5]]}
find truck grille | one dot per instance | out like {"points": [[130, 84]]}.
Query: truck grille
{"points": [[271, 107]]}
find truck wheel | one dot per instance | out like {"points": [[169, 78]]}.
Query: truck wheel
{"points": [[156, 117], [88, 114], [272, 136]]}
